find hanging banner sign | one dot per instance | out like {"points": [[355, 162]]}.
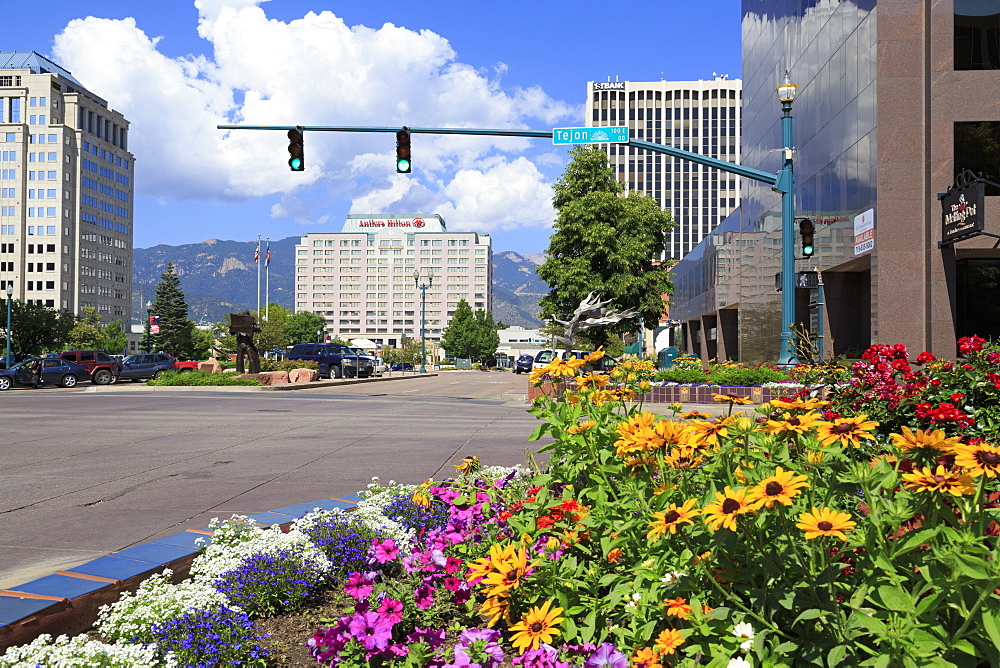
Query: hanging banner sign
{"points": [[154, 324], [864, 232], [962, 212]]}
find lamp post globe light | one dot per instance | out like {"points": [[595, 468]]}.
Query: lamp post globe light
{"points": [[6, 357], [149, 325], [423, 314], [786, 182]]}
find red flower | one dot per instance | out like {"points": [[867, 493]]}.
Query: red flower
{"points": [[994, 378], [925, 357], [545, 522], [970, 344], [957, 397], [900, 365], [994, 357]]}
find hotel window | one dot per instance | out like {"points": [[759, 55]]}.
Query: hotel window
{"points": [[977, 148]]}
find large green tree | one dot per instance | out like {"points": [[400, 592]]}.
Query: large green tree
{"points": [[606, 244], [470, 335], [115, 340], [35, 329], [273, 333], [303, 326], [87, 333], [170, 307]]}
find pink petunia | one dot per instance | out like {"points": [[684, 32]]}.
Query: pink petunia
{"points": [[385, 551]]}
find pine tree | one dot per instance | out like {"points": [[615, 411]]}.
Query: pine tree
{"points": [[175, 326], [605, 244]]}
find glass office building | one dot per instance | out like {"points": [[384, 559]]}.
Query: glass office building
{"points": [[895, 98]]}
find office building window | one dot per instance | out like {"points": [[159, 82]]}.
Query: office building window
{"points": [[977, 148], [977, 34]]}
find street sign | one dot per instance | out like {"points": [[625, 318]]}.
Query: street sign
{"points": [[612, 134]]}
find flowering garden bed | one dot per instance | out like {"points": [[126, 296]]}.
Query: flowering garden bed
{"points": [[858, 530]]}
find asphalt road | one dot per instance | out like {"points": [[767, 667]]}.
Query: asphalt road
{"points": [[84, 473]]}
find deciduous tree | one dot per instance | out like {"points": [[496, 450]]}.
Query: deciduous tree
{"points": [[35, 329], [604, 243], [303, 326]]}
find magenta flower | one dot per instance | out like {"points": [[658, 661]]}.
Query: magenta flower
{"points": [[424, 596], [432, 639], [391, 610], [452, 584], [359, 586], [371, 631], [385, 551], [452, 565]]}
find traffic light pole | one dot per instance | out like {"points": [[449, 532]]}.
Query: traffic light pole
{"points": [[781, 182]]}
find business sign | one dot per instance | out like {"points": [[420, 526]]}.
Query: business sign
{"points": [[962, 212], [393, 222], [154, 324], [611, 134], [864, 232], [608, 85]]}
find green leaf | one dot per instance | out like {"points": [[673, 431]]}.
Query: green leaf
{"points": [[837, 655], [895, 599], [991, 624], [862, 619], [963, 645], [812, 613]]}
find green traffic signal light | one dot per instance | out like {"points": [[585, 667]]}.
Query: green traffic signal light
{"points": [[296, 149], [807, 229], [403, 165]]}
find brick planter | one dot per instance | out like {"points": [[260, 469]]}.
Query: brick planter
{"points": [[686, 394]]}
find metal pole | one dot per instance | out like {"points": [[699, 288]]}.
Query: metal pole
{"points": [[6, 357], [786, 181], [149, 326], [267, 281], [423, 316], [257, 259], [820, 299]]}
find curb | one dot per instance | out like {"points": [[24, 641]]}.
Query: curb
{"points": [[284, 387], [67, 602]]}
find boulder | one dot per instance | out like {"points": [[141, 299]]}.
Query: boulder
{"points": [[303, 375], [210, 366], [273, 378]]}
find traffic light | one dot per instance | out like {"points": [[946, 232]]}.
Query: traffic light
{"points": [[296, 149], [403, 165], [806, 229]]}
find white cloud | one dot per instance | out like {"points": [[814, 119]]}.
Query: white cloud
{"points": [[316, 70]]}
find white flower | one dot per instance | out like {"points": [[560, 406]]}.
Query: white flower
{"points": [[81, 651], [634, 601], [745, 631], [738, 662], [671, 579]]}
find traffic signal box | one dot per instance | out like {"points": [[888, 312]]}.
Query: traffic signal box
{"points": [[403, 165], [806, 230], [296, 149]]}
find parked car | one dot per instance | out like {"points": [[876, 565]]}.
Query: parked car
{"points": [[364, 354], [55, 372], [524, 363], [380, 366], [103, 370], [15, 358], [335, 360], [543, 357], [187, 365], [401, 366], [146, 365]]}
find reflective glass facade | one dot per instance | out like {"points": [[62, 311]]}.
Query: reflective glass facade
{"points": [[829, 50]]}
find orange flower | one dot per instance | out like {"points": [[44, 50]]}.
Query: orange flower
{"points": [[646, 658], [678, 607], [615, 555], [582, 427], [668, 641]]}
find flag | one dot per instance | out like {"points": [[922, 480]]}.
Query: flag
{"points": [[256, 255], [154, 324], [267, 256]]}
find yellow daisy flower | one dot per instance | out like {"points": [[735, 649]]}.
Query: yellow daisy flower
{"points": [[671, 518], [728, 504], [781, 487], [582, 427], [825, 522], [792, 424], [957, 483], [846, 431], [536, 626], [931, 442], [982, 459]]}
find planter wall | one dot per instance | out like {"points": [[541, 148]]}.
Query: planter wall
{"points": [[686, 394]]}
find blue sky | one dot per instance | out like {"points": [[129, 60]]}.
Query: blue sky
{"points": [[178, 69]]}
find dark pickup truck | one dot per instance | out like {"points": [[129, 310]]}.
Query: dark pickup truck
{"points": [[335, 360]]}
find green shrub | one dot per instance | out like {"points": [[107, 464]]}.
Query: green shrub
{"points": [[748, 376], [200, 378], [682, 376], [288, 365]]}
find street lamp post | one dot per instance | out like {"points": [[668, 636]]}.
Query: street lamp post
{"points": [[423, 314], [6, 357], [786, 181], [149, 326]]}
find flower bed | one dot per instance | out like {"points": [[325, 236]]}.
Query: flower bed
{"points": [[799, 533]]}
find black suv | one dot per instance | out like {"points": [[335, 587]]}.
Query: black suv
{"points": [[335, 360], [146, 365]]}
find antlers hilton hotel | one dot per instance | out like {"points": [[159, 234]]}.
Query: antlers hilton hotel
{"points": [[361, 279]]}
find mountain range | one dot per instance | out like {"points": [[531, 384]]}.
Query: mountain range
{"points": [[220, 277]]}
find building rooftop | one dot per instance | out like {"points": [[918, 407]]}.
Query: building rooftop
{"points": [[19, 60]]}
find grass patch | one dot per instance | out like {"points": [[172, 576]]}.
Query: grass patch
{"points": [[200, 378]]}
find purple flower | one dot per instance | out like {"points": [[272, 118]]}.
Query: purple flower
{"points": [[432, 639], [358, 586], [385, 551], [461, 595], [391, 610], [478, 647], [607, 655], [371, 630], [424, 596], [545, 656], [452, 584]]}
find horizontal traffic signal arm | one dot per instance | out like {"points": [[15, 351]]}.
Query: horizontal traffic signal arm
{"points": [[774, 180]]}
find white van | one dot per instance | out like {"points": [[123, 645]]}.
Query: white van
{"points": [[543, 357]]}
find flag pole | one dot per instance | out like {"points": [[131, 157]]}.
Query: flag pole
{"points": [[267, 281], [256, 259]]}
